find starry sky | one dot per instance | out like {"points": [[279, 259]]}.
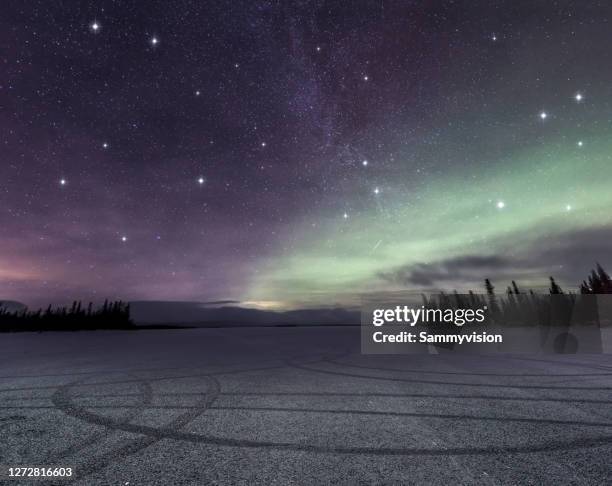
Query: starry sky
{"points": [[295, 154]]}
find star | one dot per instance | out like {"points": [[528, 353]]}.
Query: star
{"points": [[105, 145], [154, 41], [580, 144], [365, 78], [376, 190], [124, 238], [543, 115], [345, 216], [63, 182], [318, 48], [501, 204], [263, 144], [365, 163], [568, 207], [198, 93], [493, 37], [95, 27], [201, 180], [578, 97]]}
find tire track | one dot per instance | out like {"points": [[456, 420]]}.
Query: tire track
{"points": [[447, 383], [146, 395], [63, 402]]}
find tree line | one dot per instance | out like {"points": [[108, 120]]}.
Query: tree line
{"points": [[520, 307], [517, 306], [110, 315]]}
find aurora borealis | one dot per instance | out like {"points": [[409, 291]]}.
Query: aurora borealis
{"points": [[553, 221], [293, 154]]}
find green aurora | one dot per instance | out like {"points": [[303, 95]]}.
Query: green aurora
{"points": [[546, 193]]}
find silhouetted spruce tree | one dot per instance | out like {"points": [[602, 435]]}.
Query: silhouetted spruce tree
{"points": [[599, 282], [494, 307], [604, 279], [554, 287]]}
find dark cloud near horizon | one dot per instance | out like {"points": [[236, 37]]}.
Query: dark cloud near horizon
{"points": [[194, 313], [449, 270], [568, 257]]}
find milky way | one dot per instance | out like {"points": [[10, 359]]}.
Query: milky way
{"points": [[301, 153]]}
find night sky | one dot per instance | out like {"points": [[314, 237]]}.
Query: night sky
{"points": [[294, 154]]}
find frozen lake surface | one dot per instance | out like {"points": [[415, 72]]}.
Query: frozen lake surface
{"points": [[297, 406]]}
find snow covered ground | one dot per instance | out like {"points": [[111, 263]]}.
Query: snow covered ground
{"points": [[297, 406]]}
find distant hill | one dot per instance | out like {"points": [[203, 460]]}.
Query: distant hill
{"points": [[228, 313], [12, 305]]}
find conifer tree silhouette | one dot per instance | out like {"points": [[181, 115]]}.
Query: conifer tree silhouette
{"points": [[492, 297], [599, 282], [554, 287]]}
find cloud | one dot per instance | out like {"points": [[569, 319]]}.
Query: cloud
{"points": [[462, 268], [571, 256], [194, 313], [568, 257]]}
